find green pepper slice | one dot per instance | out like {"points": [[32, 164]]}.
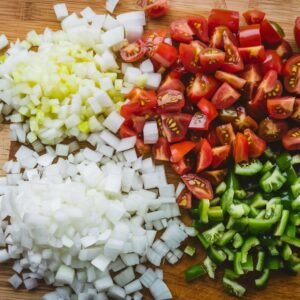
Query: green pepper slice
{"points": [[237, 241], [272, 181], [232, 181], [233, 287], [284, 161], [250, 242], [203, 210], [283, 222], [260, 261], [237, 263], [194, 272], [210, 267], [249, 168], [262, 281]]}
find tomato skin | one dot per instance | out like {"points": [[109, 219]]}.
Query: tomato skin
{"points": [[272, 131], [211, 59], [138, 48], [141, 148], [152, 38], [225, 96], [225, 134], [207, 108], [250, 35], [216, 39], [223, 17], [220, 154], [204, 156], [255, 54], [126, 130], [170, 101], [165, 55], [181, 31], [281, 108], [253, 16], [297, 31], [268, 34], [296, 113], [240, 148], [272, 61], [161, 150], [171, 83], [215, 177], [257, 112], [291, 140], [157, 9], [182, 167], [212, 137], [291, 74], [284, 50], [179, 150], [199, 26], [243, 121], [184, 199], [199, 187], [235, 81], [256, 145], [178, 69]]}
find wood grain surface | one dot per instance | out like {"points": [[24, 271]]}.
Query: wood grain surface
{"points": [[17, 17]]}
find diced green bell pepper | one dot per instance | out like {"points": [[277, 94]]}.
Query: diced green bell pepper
{"points": [[286, 252], [237, 263], [203, 208], [221, 188], [272, 181], [282, 224], [210, 267], [232, 181], [268, 166], [230, 274], [213, 234], [284, 161], [194, 272], [215, 214], [232, 287], [237, 241], [227, 199], [260, 261], [262, 281], [249, 243], [248, 168], [226, 237]]}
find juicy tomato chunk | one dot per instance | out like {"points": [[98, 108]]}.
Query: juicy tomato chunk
{"points": [[156, 8], [208, 109], [126, 130], [171, 83], [256, 145], [250, 35], [215, 177], [199, 26], [179, 150], [257, 112], [253, 16], [284, 50], [228, 115], [281, 108], [182, 167], [211, 59], [204, 156], [252, 73], [220, 155], [223, 17], [233, 61], [134, 51], [138, 123], [240, 148], [201, 86], [212, 137], [272, 61], [291, 140], [175, 126], [297, 31], [152, 38], [216, 39], [165, 55], [199, 121], [181, 31], [184, 199], [225, 134], [199, 187], [235, 81], [142, 148], [272, 131], [178, 70], [296, 113], [225, 96], [161, 150], [243, 121], [271, 32], [170, 101], [291, 71], [255, 54]]}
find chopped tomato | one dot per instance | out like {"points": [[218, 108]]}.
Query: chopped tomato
{"points": [[225, 96], [256, 145], [220, 154], [134, 51], [284, 50], [170, 101], [184, 199], [181, 31], [216, 39], [199, 121], [215, 177], [272, 61], [228, 115], [178, 69], [272, 131], [182, 167], [235, 81], [141, 148], [253, 16], [199, 187], [271, 32], [200, 27], [223, 17], [201, 86], [257, 112], [156, 8], [161, 150], [152, 38], [175, 126], [291, 140], [126, 130], [291, 71], [255, 54], [240, 148], [165, 55], [233, 61], [281, 108], [276, 92], [204, 156], [252, 73], [225, 134], [138, 122], [212, 137], [207, 108], [296, 113], [179, 150], [211, 59], [243, 121], [171, 83], [297, 31], [250, 35]]}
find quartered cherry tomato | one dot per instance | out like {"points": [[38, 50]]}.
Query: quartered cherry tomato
{"points": [[257, 146], [200, 27], [161, 150], [138, 122], [225, 134], [255, 54], [171, 83], [142, 148], [250, 35], [182, 167], [284, 50], [235, 81], [152, 38], [179, 150], [272, 61], [271, 32], [199, 121], [222, 17], [243, 121], [225, 96], [199, 187], [240, 148], [253, 16], [297, 31], [281, 108], [211, 59], [133, 52], [251, 73], [204, 156], [296, 113], [181, 31], [220, 155], [216, 39], [178, 70], [207, 108], [184, 199], [215, 177], [291, 140], [165, 55], [291, 71], [272, 131], [156, 8], [126, 130], [170, 101]]}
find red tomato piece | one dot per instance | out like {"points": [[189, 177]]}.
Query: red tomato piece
{"points": [[257, 146], [134, 51], [240, 148], [141, 148], [212, 137], [216, 39], [152, 38], [156, 8], [291, 71], [170, 101], [182, 167], [220, 154], [161, 150], [284, 50], [211, 59], [200, 27], [204, 156], [199, 121], [297, 31], [126, 130], [225, 134], [179, 150], [296, 113], [171, 83], [178, 70], [199, 187], [257, 112], [138, 123], [235, 81], [184, 199], [207, 108], [250, 35], [291, 140], [181, 31], [243, 121], [281, 108], [272, 131], [223, 17], [225, 96], [215, 177], [271, 32], [252, 55], [253, 16], [175, 126], [272, 61], [165, 55], [252, 73]]}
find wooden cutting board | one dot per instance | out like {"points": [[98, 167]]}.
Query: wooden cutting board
{"points": [[17, 17]]}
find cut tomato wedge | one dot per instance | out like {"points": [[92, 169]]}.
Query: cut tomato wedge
{"points": [[281, 108], [217, 40], [257, 146], [291, 73], [211, 59], [161, 150], [220, 155], [255, 54], [182, 167], [141, 148], [243, 121], [272, 131], [133, 51], [225, 96], [179, 150], [199, 121], [207, 108], [199, 26], [250, 35], [184, 199], [235, 81], [272, 61], [165, 55], [181, 31], [252, 73], [225, 134], [253, 16], [215, 177], [296, 113], [204, 156], [171, 83], [291, 140], [152, 38], [126, 130], [240, 148], [170, 101], [271, 32], [222, 17]]}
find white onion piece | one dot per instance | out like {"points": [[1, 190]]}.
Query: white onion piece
{"points": [[3, 41], [61, 11], [88, 14], [111, 5], [150, 132]]}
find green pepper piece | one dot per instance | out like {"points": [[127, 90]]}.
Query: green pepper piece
{"points": [[239, 224], [248, 168], [227, 199], [248, 266], [253, 212], [228, 115], [226, 238], [296, 204], [230, 274], [194, 272], [250, 242], [236, 210], [284, 161], [190, 250], [237, 263], [203, 241], [286, 252], [229, 253], [287, 199], [210, 267], [240, 194], [237, 241], [216, 255], [296, 159], [214, 233], [216, 201], [232, 287], [194, 213], [215, 214], [203, 210], [283, 222], [272, 181], [257, 201], [273, 250], [232, 181], [274, 263], [290, 231], [221, 188], [291, 175], [262, 281], [269, 153], [268, 166], [295, 188], [278, 28], [295, 218], [294, 263], [291, 241], [260, 261]]}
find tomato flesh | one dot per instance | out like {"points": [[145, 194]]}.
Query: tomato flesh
{"points": [[256, 145], [190, 56], [208, 109], [199, 26], [281, 108], [297, 31], [211, 59], [255, 54], [152, 38], [272, 131], [291, 73], [240, 148], [272, 61], [133, 52], [157, 8], [250, 36], [253, 16], [225, 134], [161, 150], [222, 17], [296, 113], [284, 50], [199, 121], [170, 101], [269, 34], [291, 140], [204, 156], [171, 83], [220, 155], [182, 167], [235, 81], [141, 148], [184, 199], [179, 150], [181, 31], [243, 121], [215, 177], [165, 55], [225, 96]]}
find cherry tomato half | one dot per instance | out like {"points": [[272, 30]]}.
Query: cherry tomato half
{"points": [[256, 145], [223, 17], [225, 96], [156, 8], [211, 59], [272, 131], [291, 71], [240, 148], [281, 108], [204, 156], [253, 16], [291, 140], [296, 113], [200, 27], [133, 52], [181, 31], [272, 62]]}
